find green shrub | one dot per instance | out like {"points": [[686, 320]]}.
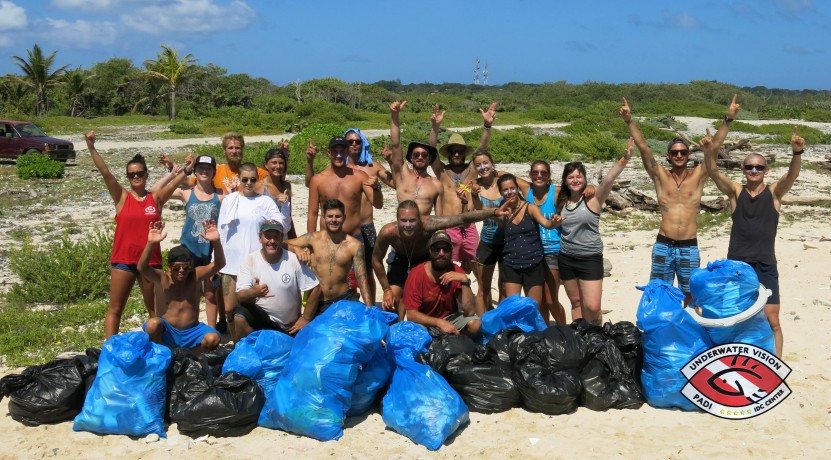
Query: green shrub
{"points": [[38, 165], [320, 135], [186, 127], [63, 271]]}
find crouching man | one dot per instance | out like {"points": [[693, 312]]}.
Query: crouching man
{"points": [[437, 293], [269, 287], [178, 291]]}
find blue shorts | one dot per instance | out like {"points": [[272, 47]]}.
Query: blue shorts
{"points": [[185, 338], [671, 257], [132, 268]]}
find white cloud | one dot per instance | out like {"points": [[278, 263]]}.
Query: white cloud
{"points": [[686, 21], [190, 16], [12, 17], [82, 4], [84, 34], [5, 41], [796, 6]]}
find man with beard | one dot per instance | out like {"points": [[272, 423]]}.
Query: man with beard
{"points": [[178, 291], [456, 174], [360, 158], [269, 288], [755, 214], [340, 182], [413, 183], [438, 289], [408, 236], [226, 177], [678, 190], [333, 254]]}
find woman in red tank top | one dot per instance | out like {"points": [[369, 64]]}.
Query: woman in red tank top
{"points": [[135, 209]]}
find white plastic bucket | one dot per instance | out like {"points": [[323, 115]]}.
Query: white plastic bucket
{"points": [[748, 313]]}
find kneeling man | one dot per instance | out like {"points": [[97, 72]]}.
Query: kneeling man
{"points": [[269, 287], [437, 290], [178, 291]]}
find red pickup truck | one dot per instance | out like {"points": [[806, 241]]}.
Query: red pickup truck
{"points": [[23, 137]]}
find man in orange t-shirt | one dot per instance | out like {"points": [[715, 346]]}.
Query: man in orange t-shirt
{"points": [[227, 176]]}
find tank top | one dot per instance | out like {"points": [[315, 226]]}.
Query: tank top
{"points": [[523, 248], [131, 225], [753, 236], [492, 232], [196, 212], [550, 237], [580, 231], [284, 208]]}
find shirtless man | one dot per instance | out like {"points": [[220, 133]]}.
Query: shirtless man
{"points": [[333, 254], [178, 291], [414, 183], [360, 158], [408, 236], [755, 214], [454, 174], [678, 189], [339, 181]]}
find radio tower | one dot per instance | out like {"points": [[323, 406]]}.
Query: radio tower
{"points": [[485, 75], [476, 73]]}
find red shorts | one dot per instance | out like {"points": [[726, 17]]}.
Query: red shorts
{"points": [[465, 240]]}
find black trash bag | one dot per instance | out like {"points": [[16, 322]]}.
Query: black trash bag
{"points": [[556, 348], [216, 358], [446, 347], [50, 393], [201, 401], [627, 338], [505, 345], [229, 407], [607, 382], [485, 384], [547, 391]]}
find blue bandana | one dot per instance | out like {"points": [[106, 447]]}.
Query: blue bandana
{"points": [[366, 156]]}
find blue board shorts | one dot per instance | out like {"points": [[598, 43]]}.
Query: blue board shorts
{"points": [[185, 338], [671, 258]]}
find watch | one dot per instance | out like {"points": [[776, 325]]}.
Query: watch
{"points": [[466, 282], [727, 119]]}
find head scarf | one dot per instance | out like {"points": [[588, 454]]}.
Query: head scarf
{"points": [[366, 156]]}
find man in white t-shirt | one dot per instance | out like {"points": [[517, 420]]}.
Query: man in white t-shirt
{"points": [[270, 285]]}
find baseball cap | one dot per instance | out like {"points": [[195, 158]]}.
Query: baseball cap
{"points": [[677, 140], [439, 237], [205, 160], [271, 225], [338, 140]]}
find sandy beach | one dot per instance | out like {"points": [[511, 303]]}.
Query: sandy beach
{"points": [[797, 428]]}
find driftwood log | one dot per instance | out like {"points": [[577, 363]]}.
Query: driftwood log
{"points": [[619, 203]]}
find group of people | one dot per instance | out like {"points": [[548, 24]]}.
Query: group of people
{"points": [[239, 232]]}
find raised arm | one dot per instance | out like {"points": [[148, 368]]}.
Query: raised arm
{"points": [[435, 128], [605, 186], [382, 173], [488, 116], [649, 162], [434, 223], [115, 189], [783, 185], [211, 234], [168, 189], [311, 152], [723, 183], [721, 133], [154, 237], [397, 160], [314, 207]]}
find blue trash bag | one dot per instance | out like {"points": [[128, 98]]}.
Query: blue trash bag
{"points": [[129, 393], [725, 288], [372, 378], [515, 311], [315, 391], [261, 356], [753, 331], [421, 405], [407, 338], [671, 337]]}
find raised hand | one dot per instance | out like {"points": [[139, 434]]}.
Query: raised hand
{"points": [[629, 148], [284, 146], [489, 115], [706, 142], [209, 231], [311, 150], [396, 106], [166, 162], [625, 111], [504, 210], [386, 152], [89, 136], [734, 108], [438, 115], [797, 142], [189, 162], [156, 233]]}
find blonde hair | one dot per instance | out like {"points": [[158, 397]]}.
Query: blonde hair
{"points": [[234, 136]]}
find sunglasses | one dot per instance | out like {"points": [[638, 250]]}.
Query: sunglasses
{"points": [[457, 152], [355, 141], [540, 173], [180, 267], [679, 152], [139, 174], [754, 168], [420, 154], [248, 180], [442, 248]]}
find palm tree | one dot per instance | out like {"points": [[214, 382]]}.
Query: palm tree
{"points": [[39, 76], [171, 70], [14, 96], [76, 84]]}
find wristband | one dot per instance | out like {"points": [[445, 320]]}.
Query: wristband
{"points": [[187, 173], [727, 119], [466, 283], [488, 126], [799, 152], [623, 161]]}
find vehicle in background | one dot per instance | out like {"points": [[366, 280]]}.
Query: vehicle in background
{"points": [[23, 137]]}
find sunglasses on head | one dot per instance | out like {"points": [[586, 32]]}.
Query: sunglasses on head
{"points": [[754, 168], [139, 174], [248, 180], [437, 249], [679, 152], [355, 141], [179, 267], [540, 173]]}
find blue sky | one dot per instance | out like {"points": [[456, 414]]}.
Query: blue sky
{"points": [[773, 43]]}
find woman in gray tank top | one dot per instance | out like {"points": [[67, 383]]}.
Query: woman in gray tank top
{"points": [[581, 249]]}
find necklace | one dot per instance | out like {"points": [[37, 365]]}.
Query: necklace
{"points": [[572, 205], [517, 210], [408, 253], [678, 184]]}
